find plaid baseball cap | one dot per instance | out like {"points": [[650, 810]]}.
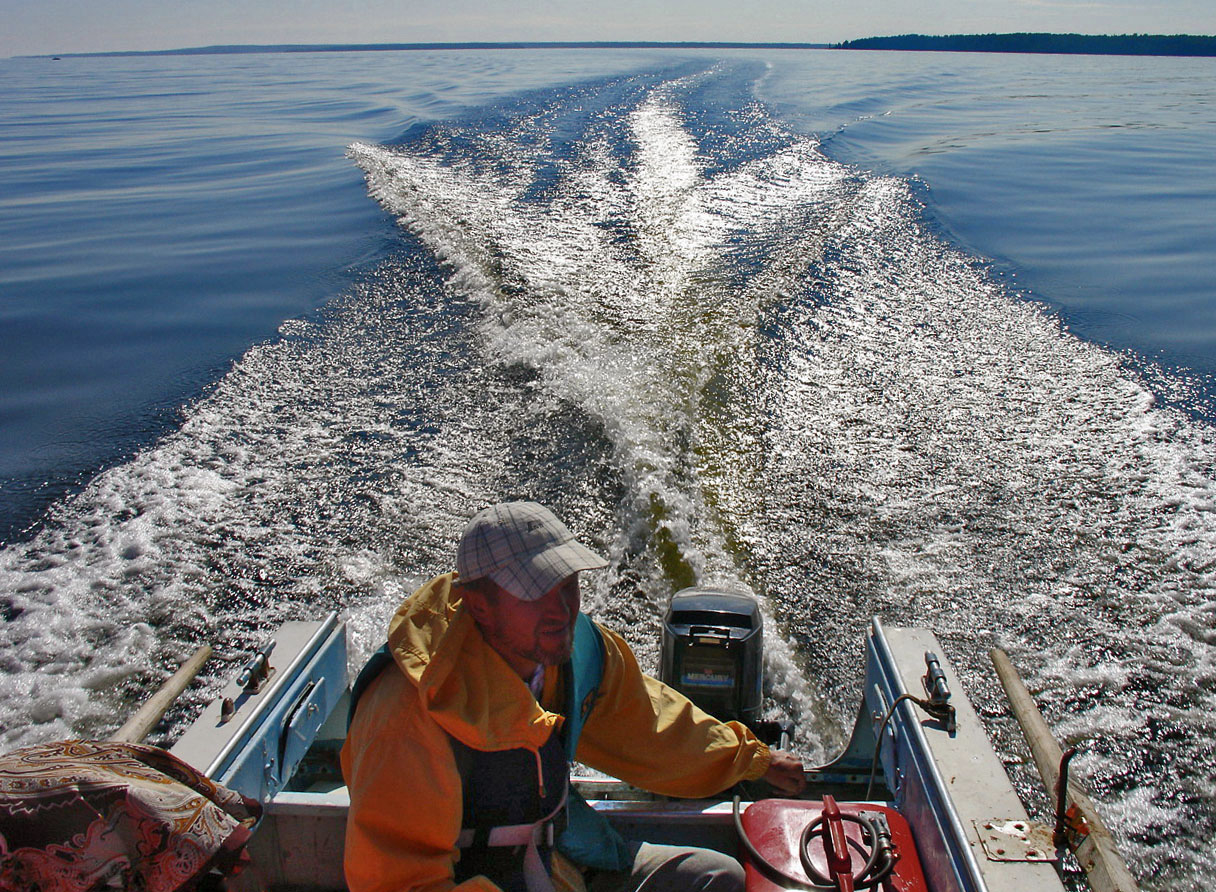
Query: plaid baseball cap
{"points": [[523, 547]]}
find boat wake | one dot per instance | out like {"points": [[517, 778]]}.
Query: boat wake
{"points": [[724, 359]]}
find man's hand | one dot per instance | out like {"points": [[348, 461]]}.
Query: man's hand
{"points": [[785, 772]]}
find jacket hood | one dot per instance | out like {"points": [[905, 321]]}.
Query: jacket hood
{"points": [[465, 686]]}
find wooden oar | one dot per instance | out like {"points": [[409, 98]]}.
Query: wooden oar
{"points": [[140, 725], [1097, 853]]}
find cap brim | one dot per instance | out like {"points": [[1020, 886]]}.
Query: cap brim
{"points": [[533, 578]]}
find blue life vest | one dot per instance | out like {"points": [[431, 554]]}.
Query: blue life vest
{"points": [[588, 839]]}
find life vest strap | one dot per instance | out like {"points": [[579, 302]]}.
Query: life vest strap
{"points": [[542, 833]]}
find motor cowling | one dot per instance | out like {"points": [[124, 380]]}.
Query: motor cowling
{"points": [[713, 652]]}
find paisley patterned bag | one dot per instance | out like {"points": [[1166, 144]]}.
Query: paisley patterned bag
{"points": [[82, 816]]}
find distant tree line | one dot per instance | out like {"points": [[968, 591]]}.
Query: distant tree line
{"points": [[1108, 45]]}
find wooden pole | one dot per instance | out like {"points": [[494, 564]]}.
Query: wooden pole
{"points": [[140, 725], [1097, 853]]}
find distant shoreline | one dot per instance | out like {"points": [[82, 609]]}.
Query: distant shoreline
{"points": [[240, 49], [1084, 44]]}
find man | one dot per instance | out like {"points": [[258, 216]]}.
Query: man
{"points": [[456, 757]]}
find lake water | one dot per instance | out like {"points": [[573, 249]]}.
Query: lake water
{"points": [[928, 337]]}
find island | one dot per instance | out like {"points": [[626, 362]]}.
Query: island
{"points": [[1089, 44]]}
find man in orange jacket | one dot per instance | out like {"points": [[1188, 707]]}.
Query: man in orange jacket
{"points": [[456, 757]]}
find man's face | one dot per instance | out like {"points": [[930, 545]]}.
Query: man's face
{"points": [[529, 632]]}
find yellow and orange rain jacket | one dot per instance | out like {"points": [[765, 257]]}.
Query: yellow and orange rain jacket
{"points": [[454, 694]]}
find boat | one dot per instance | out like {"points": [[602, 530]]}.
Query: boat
{"points": [[918, 799]]}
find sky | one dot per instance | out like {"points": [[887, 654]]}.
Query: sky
{"points": [[36, 27]]}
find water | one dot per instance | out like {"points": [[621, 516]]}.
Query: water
{"points": [[747, 320], [1089, 177], [159, 216]]}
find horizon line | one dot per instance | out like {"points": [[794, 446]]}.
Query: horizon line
{"points": [[862, 43], [239, 48]]}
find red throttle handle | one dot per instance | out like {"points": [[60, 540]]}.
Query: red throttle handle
{"points": [[836, 846]]}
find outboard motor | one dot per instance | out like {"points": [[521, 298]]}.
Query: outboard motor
{"points": [[713, 652]]}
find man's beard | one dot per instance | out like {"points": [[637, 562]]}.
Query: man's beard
{"points": [[553, 654]]}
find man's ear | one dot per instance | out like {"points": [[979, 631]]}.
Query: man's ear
{"points": [[475, 602]]}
